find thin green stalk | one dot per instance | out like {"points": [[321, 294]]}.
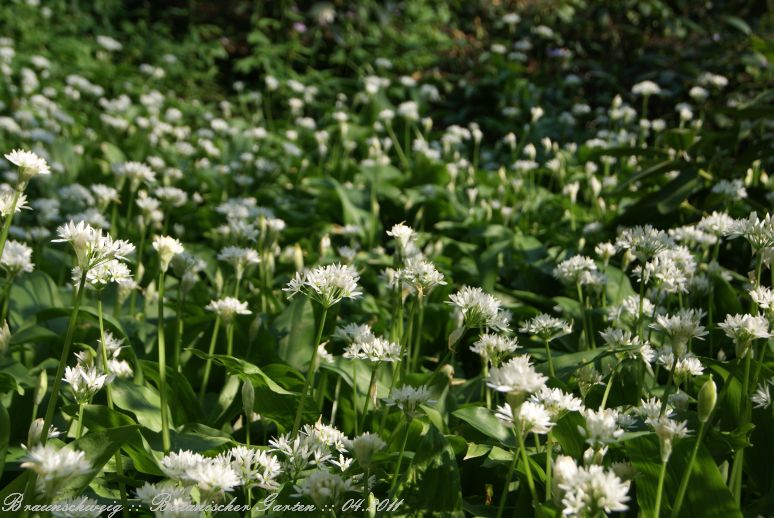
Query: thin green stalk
{"points": [[208, 363], [163, 369], [608, 387], [420, 326], [587, 339], [354, 392], [508, 477], [371, 390], [660, 489], [309, 373], [549, 464], [396, 473], [8, 220], [687, 474], [525, 460], [109, 394], [53, 399], [397, 145], [178, 329], [79, 429], [737, 468], [668, 388], [551, 371], [335, 405], [484, 386]]}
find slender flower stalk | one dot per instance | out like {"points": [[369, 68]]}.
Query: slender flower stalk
{"points": [[208, 363], [163, 369], [54, 398], [8, 219], [309, 372]]}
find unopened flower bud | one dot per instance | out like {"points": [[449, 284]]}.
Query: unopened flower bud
{"points": [[708, 396]]}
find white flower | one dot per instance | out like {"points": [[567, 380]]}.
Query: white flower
{"points": [[743, 329], [575, 270], [479, 309], [6, 201], [353, 333], [91, 246], [516, 375], [646, 88], [324, 488], [405, 238], [681, 327], [16, 258], [419, 275], [364, 446], [762, 296], [556, 402], [668, 431], [601, 427], [227, 308], [759, 233], [137, 172], [29, 164], [213, 477], [326, 284], [239, 258], [254, 467], [534, 418], [375, 350], [762, 395], [408, 398], [592, 490], [546, 327], [103, 274], [84, 382], [55, 467], [493, 348], [718, 224], [167, 247], [176, 464], [643, 241]]}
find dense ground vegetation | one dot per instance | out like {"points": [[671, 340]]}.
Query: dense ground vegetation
{"points": [[410, 258]]}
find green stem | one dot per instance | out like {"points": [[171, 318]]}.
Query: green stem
{"points": [[354, 391], [371, 390], [551, 371], [668, 388], [587, 338], [178, 329], [8, 220], [109, 394], [163, 369], [420, 326], [79, 429], [549, 464], [608, 387], [208, 363], [660, 489], [309, 373], [737, 468], [525, 460], [53, 399], [687, 474], [335, 404], [508, 477], [396, 473]]}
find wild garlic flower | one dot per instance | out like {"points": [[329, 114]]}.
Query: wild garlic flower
{"points": [[650, 410], [646, 88], [213, 478], [530, 417], [687, 365], [591, 491], [556, 402], [91, 247], [546, 327], [353, 333], [762, 396], [167, 248], [494, 348], [239, 258], [327, 285], [629, 309], [176, 498], [516, 375], [762, 296], [605, 251], [669, 431], [6, 201], [419, 275], [643, 241], [103, 274], [408, 399], [256, 468], [717, 224], [136, 172], [602, 427], [374, 350], [758, 232], [29, 164], [324, 488], [16, 258], [479, 309], [228, 308], [364, 446], [84, 381], [681, 327], [405, 239], [744, 329], [55, 467], [175, 464], [578, 269]]}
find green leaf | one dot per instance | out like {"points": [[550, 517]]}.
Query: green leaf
{"points": [[707, 494], [244, 370], [485, 422]]}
